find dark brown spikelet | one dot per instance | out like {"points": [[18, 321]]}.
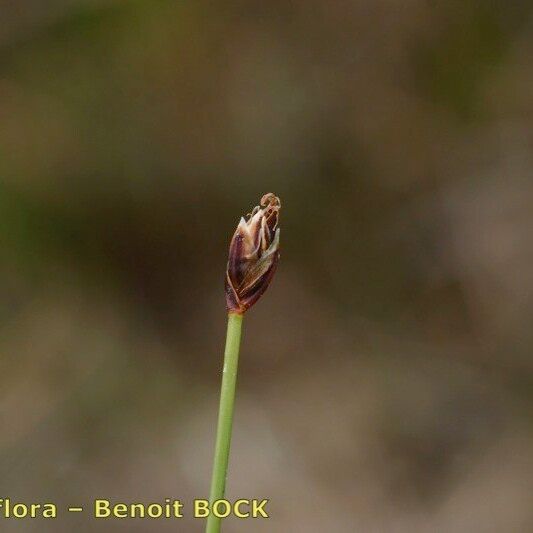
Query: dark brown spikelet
{"points": [[253, 255]]}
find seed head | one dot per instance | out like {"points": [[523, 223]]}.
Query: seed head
{"points": [[253, 255]]}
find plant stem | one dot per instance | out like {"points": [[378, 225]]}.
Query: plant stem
{"points": [[225, 417]]}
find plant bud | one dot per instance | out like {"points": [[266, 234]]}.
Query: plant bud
{"points": [[253, 255]]}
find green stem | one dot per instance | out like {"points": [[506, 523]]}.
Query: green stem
{"points": [[225, 417]]}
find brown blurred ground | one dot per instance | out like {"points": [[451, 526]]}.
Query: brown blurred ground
{"points": [[386, 378]]}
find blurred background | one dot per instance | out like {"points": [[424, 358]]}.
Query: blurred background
{"points": [[386, 380]]}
